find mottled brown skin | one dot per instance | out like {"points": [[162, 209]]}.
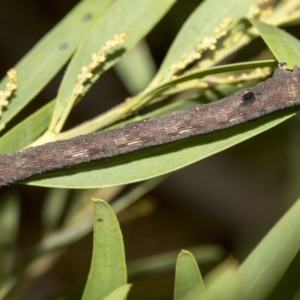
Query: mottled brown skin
{"points": [[279, 92]]}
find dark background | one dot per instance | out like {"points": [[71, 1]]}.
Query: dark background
{"points": [[232, 198]]}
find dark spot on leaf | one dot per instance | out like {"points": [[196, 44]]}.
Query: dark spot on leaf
{"points": [[63, 46], [248, 98], [87, 17], [100, 220]]}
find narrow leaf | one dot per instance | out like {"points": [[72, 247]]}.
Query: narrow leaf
{"points": [[188, 277], [108, 269], [27, 131], [128, 13], [284, 46], [270, 259], [40, 65]]}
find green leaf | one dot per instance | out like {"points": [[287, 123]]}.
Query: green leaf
{"points": [[27, 131], [284, 46], [128, 14], [108, 269], [268, 262], [188, 277], [39, 66], [201, 24], [120, 293]]}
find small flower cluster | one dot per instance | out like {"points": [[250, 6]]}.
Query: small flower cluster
{"points": [[208, 43], [238, 80], [96, 60], [254, 74], [9, 88], [261, 9]]}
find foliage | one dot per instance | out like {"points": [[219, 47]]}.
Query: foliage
{"points": [[192, 64]]}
